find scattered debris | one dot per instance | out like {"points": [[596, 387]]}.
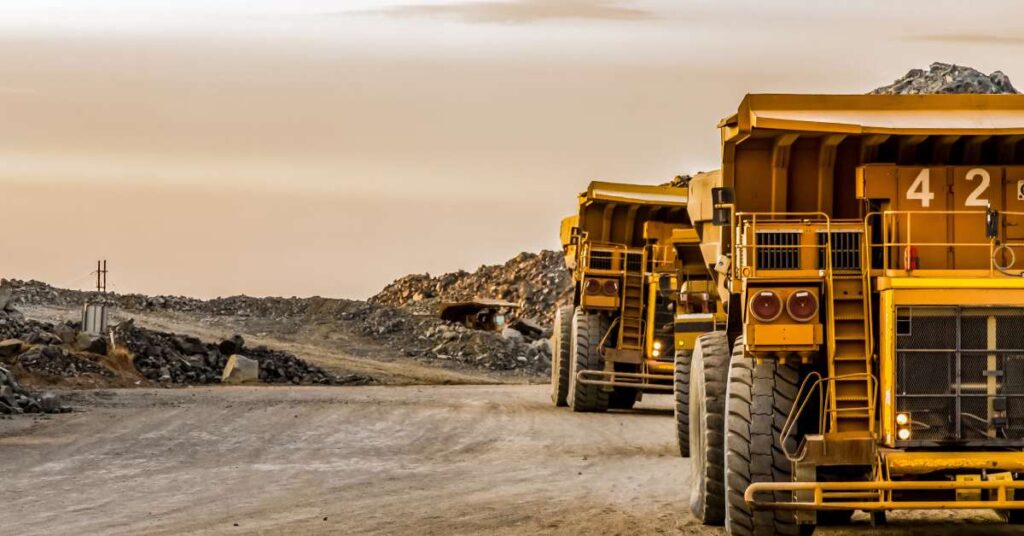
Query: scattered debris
{"points": [[171, 358], [948, 78], [15, 399]]}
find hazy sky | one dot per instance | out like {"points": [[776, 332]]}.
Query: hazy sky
{"points": [[275, 147]]}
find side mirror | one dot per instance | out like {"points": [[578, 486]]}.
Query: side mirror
{"points": [[722, 200], [722, 196]]}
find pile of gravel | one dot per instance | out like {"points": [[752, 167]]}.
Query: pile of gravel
{"points": [[535, 282]]}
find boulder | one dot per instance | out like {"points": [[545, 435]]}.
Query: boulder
{"points": [[43, 337], [95, 344], [10, 348], [232, 345], [511, 334], [241, 369], [50, 403]]}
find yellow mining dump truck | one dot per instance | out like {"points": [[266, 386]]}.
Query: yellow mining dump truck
{"points": [[615, 341], [868, 253]]}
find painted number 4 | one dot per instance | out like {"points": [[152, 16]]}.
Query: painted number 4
{"points": [[920, 189]]}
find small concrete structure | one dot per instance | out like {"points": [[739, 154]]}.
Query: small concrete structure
{"points": [[95, 317]]}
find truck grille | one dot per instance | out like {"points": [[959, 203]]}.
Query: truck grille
{"points": [[778, 250], [845, 249], [601, 260], [960, 374]]}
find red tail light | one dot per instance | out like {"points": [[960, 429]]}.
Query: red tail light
{"points": [[766, 305], [592, 286], [802, 305], [610, 288]]}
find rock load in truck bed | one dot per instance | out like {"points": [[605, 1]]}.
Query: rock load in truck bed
{"points": [[948, 78]]}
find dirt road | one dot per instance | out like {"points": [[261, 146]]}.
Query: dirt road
{"points": [[355, 460]]}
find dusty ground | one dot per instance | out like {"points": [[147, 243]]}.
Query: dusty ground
{"points": [[355, 460]]}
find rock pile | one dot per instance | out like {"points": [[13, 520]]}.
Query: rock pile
{"points": [[428, 338], [39, 293], [948, 78], [536, 282], [55, 361], [15, 399], [180, 359]]}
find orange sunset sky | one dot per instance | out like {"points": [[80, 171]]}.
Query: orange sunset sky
{"points": [[274, 147]]}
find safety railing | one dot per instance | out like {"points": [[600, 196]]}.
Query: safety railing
{"points": [[662, 258], [900, 251], [603, 257], [773, 242]]}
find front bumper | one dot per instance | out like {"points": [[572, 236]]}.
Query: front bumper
{"points": [[971, 480]]}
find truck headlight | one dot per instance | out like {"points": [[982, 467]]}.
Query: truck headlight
{"points": [[903, 434], [657, 345], [902, 419]]}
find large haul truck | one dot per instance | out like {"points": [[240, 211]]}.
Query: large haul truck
{"points": [[615, 342], [867, 253]]}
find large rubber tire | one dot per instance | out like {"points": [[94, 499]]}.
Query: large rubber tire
{"points": [[708, 370], [561, 348], [758, 403], [681, 392], [587, 330]]}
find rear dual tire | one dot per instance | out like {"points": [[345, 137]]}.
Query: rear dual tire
{"points": [[681, 393]]}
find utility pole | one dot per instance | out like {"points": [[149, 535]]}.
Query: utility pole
{"points": [[101, 276]]}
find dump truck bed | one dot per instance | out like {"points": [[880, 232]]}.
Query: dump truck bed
{"points": [[613, 213]]}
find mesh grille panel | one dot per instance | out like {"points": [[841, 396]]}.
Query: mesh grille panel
{"points": [[601, 260], [778, 250], [845, 249], [960, 373]]}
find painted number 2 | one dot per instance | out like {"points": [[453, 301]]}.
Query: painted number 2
{"points": [[975, 200], [920, 189]]}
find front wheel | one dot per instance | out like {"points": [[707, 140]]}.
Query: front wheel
{"points": [[587, 331], [758, 402], [561, 345], [708, 369]]}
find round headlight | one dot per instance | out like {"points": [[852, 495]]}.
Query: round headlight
{"points": [[766, 305], [902, 419], [903, 434], [610, 288], [592, 286], [802, 305]]}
